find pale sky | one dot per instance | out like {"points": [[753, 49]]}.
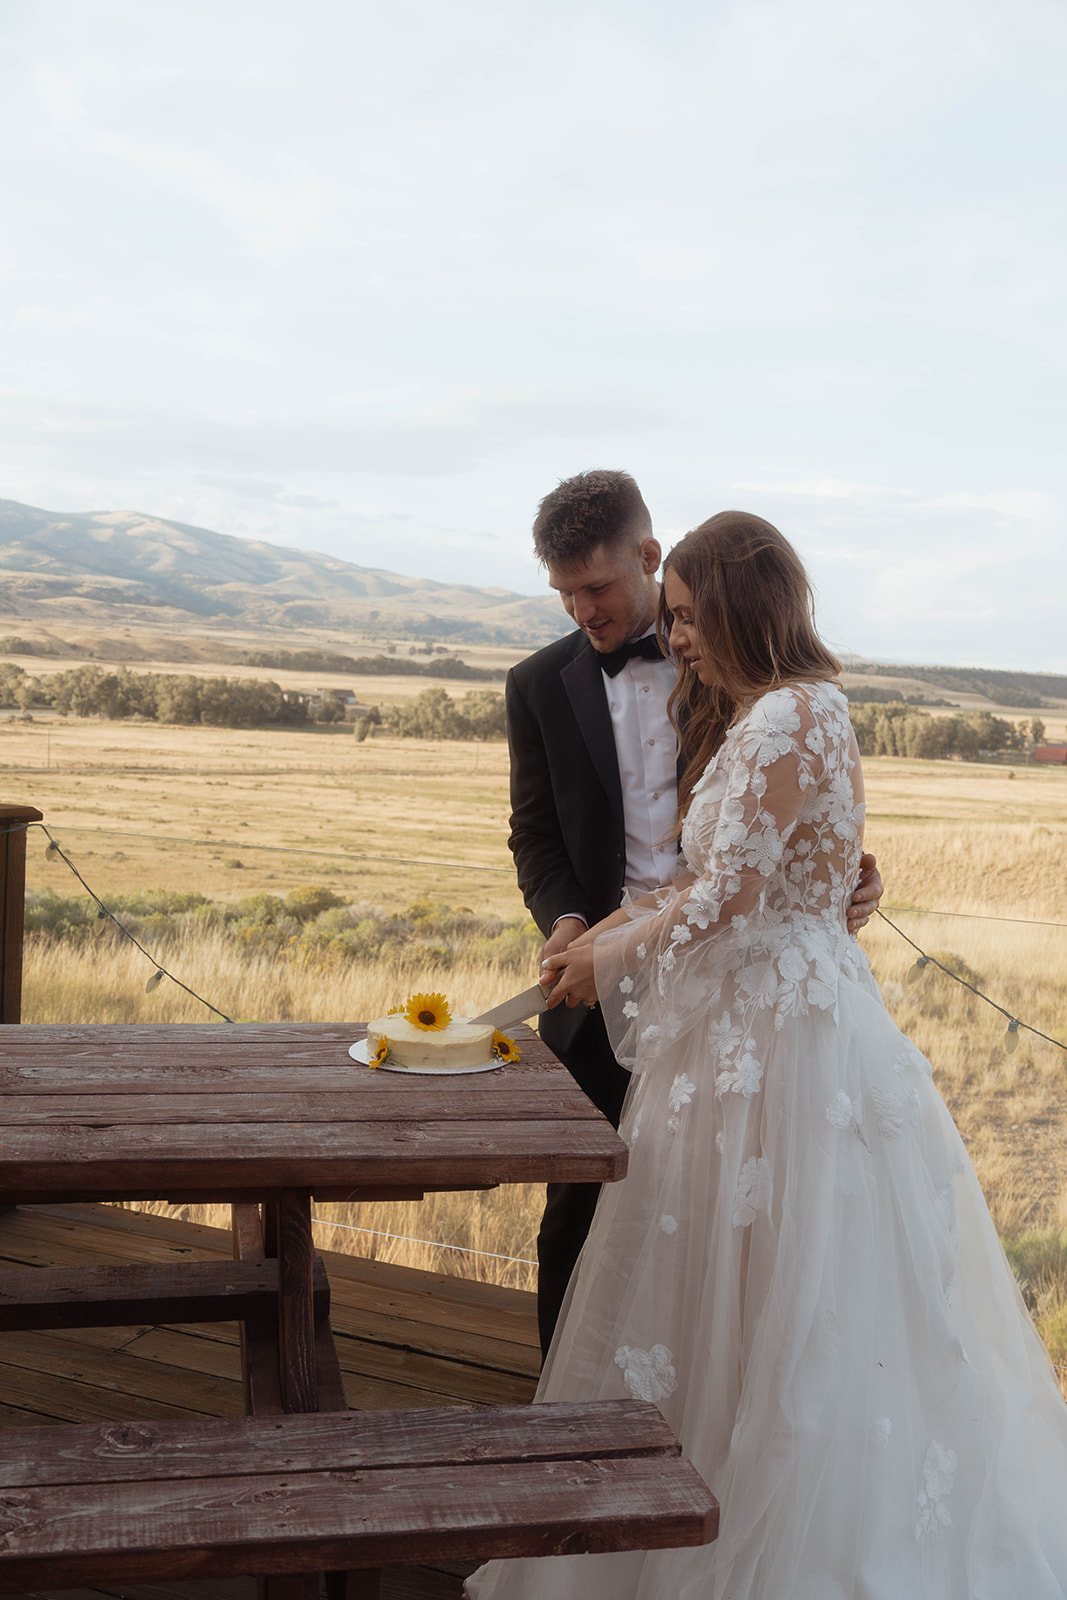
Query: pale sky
{"points": [[369, 278]]}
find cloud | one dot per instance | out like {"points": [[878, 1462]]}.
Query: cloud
{"points": [[378, 435], [905, 574], [276, 493]]}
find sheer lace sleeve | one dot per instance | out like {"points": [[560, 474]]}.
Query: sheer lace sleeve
{"points": [[773, 834]]}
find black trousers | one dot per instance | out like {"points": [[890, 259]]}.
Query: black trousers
{"points": [[569, 1207]]}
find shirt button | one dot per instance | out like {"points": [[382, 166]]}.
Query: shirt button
{"points": [[650, 741], [655, 797]]}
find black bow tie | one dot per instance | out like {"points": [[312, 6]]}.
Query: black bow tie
{"points": [[613, 662]]}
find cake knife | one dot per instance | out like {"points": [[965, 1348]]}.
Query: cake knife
{"points": [[527, 1004]]}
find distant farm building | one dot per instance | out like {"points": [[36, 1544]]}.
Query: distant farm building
{"points": [[1052, 753]]}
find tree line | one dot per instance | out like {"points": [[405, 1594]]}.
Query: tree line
{"points": [[890, 728], [442, 666], [90, 691], [899, 729]]}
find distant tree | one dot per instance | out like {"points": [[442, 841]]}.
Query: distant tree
{"points": [[331, 707], [11, 680], [178, 699], [484, 710], [433, 714]]}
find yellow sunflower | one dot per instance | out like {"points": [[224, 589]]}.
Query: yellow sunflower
{"points": [[381, 1053], [504, 1049], [429, 1011], [395, 1011]]}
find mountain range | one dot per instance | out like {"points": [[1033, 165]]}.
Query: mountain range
{"points": [[123, 566]]}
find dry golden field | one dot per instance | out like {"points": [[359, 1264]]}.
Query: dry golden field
{"points": [[970, 854]]}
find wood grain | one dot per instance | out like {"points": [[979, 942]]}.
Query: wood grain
{"points": [[403, 1487]]}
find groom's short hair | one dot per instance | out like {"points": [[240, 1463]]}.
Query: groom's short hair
{"points": [[583, 513]]}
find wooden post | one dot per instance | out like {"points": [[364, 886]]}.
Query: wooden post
{"points": [[13, 820]]}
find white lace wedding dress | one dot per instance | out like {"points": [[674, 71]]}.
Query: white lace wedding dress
{"points": [[800, 1269]]}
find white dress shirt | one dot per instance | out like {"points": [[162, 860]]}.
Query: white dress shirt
{"points": [[647, 752]]}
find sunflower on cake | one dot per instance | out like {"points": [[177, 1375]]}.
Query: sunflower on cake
{"points": [[423, 1033]]}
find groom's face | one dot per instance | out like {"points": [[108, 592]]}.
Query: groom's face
{"points": [[614, 595]]}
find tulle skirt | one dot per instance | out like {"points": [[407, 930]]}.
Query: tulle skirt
{"points": [[802, 1273]]}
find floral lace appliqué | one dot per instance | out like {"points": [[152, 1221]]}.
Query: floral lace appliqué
{"points": [[753, 1191], [931, 1512], [840, 1113], [680, 1094], [895, 1110], [647, 1374], [745, 1078]]}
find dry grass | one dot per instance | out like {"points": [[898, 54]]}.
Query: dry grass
{"points": [[957, 839]]}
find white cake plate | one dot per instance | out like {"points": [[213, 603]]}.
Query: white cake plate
{"points": [[359, 1053]]}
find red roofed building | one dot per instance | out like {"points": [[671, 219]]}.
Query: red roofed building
{"points": [[1051, 752]]}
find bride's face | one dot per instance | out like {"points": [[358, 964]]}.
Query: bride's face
{"points": [[685, 642]]}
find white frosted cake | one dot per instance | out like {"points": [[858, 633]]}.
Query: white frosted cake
{"points": [[460, 1044]]}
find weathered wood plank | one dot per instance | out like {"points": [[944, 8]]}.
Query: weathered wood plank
{"points": [[427, 1338], [335, 1520], [296, 1311], [233, 1162], [50, 1395], [115, 1296], [38, 1056], [218, 1589], [13, 821], [350, 1441], [70, 1230], [125, 1377], [430, 1100]]}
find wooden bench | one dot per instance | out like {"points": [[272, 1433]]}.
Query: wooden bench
{"points": [[345, 1493]]}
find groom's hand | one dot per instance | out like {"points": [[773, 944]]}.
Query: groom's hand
{"points": [[868, 893], [571, 975], [566, 929]]}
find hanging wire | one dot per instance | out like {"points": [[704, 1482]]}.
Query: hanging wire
{"points": [[53, 852], [434, 1244], [976, 916], [282, 849], [924, 960], [915, 972]]}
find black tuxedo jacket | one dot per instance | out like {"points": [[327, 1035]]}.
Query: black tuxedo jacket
{"points": [[566, 799], [567, 831]]}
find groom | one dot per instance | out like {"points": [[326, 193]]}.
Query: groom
{"points": [[594, 787]]}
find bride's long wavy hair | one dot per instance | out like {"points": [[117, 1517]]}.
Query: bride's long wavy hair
{"points": [[754, 616]]}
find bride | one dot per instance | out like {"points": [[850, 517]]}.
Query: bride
{"points": [[799, 1269]]}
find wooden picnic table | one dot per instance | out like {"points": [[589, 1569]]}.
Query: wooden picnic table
{"points": [[270, 1116]]}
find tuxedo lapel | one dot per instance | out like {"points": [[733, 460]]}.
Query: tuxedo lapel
{"points": [[583, 682]]}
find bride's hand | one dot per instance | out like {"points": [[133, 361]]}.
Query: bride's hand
{"points": [[571, 971]]}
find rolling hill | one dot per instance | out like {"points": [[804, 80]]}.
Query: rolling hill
{"points": [[122, 566]]}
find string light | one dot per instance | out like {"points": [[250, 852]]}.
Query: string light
{"points": [[1011, 1037], [54, 851]]}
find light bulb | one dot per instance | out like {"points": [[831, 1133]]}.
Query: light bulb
{"points": [[1011, 1037], [915, 973], [51, 850], [155, 980]]}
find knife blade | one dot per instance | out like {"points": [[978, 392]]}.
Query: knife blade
{"points": [[527, 1004]]}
